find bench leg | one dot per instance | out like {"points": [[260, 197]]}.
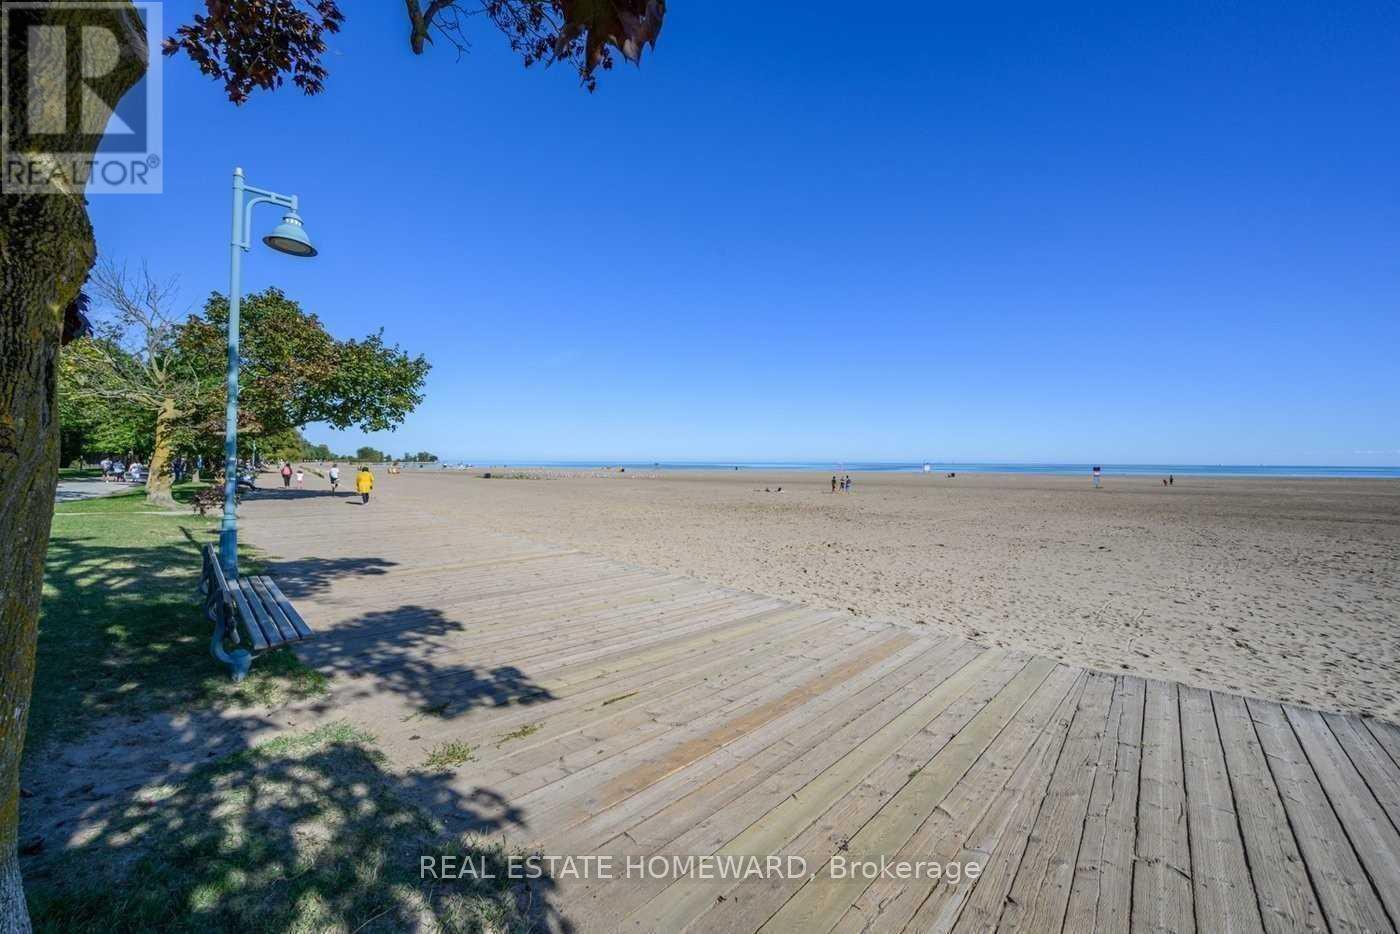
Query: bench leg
{"points": [[239, 661]]}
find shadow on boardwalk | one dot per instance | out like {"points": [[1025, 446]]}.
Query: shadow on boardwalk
{"points": [[409, 652]]}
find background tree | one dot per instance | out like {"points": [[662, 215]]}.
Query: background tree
{"points": [[294, 372], [371, 455], [94, 429], [132, 368], [47, 249], [317, 452]]}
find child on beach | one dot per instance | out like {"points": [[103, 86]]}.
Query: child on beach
{"points": [[335, 476], [301, 477]]}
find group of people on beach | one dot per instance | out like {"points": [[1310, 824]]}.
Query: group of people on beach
{"points": [[364, 479], [841, 484]]}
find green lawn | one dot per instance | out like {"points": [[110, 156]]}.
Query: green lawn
{"points": [[120, 629]]}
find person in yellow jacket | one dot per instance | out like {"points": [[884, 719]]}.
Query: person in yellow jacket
{"points": [[364, 482]]}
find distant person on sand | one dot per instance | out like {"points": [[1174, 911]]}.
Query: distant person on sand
{"points": [[335, 476], [1096, 473], [364, 482], [286, 475], [833, 483], [1171, 479], [301, 478]]}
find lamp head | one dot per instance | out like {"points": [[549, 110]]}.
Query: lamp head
{"points": [[290, 237]]}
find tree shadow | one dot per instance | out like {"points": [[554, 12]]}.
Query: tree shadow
{"points": [[306, 577], [410, 651], [309, 831]]}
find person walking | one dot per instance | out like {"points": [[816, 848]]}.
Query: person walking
{"points": [[833, 483], [286, 475], [301, 478], [335, 476], [364, 483]]}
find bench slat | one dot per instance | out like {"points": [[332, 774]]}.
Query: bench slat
{"points": [[284, 626], [264, 619], [250, 621], [285, 605]]}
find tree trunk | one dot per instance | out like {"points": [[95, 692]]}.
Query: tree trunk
{"points": [[159, 479], [46, 250]]}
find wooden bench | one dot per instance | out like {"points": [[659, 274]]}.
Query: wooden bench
{"points": [[251, 610]]}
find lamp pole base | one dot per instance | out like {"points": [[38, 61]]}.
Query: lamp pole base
{"points": [[228, 552]]}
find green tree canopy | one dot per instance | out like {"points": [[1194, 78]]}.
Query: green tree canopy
{"points": [[295, 372]]}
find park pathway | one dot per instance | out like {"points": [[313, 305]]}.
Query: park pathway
{"points": [[622, 711]]}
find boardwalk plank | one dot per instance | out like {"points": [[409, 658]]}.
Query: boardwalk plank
{"points": [[1284, 891], [819, 903], [1223, 886], [1349, 903], [680, 903], [1162, 894], [889, 904], [1101, 895], [1372, 835]]}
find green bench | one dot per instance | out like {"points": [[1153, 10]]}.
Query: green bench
{"points": [[251, 611]]}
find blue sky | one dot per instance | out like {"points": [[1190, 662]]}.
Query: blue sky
{"points": [[1096, 233]]}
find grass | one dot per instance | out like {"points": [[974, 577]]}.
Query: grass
{"points": [[305, 833], [448, 755], [120, 628], [79, 473], [529, 729]]}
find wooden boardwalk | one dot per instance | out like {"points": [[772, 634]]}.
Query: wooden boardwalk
{"points": [[622, 711]]}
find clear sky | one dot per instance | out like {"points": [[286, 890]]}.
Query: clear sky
{"points": [[813, 231]]}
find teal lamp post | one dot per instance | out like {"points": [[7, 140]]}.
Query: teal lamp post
{"points": [[287, 237]]}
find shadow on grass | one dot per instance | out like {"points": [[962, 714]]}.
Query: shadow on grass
{"points": [[121, 631], [304, 833], [171, 818]]}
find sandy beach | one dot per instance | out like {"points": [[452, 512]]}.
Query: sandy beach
{"points": [[1282, 589]]}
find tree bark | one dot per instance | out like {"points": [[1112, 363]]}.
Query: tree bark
{"points": [[159, 479], [46, 250]]}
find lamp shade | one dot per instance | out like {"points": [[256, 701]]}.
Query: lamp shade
{"points": [[290, 237]]}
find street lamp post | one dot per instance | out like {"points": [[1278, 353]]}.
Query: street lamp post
{"points": [[287, 237]]}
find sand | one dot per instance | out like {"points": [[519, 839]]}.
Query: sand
{"points": [[1283, 589]]}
